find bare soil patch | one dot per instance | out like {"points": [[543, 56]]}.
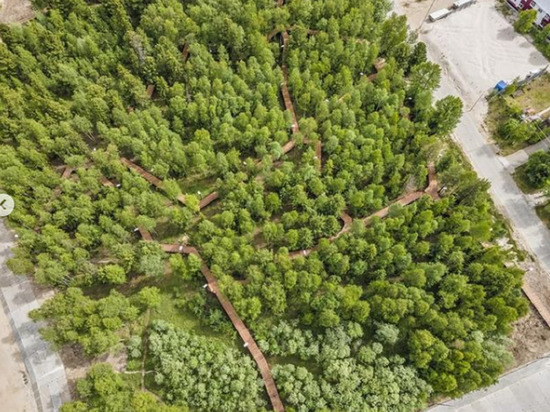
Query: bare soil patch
{"points": [[531, 338], [77, 364]]}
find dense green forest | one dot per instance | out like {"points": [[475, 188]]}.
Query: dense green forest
{"points": [[384, 317]]}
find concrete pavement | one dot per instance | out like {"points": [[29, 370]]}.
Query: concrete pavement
{"points": [[524, 390], [527, 228], [44, 367], [508, 198], [521, 157]]}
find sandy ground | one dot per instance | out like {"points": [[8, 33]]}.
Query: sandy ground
{"points": [[477, 45], [417, 10], [15, 11], [531, 338], [15, 388]]}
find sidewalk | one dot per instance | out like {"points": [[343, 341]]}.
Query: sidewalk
{"points": [[44, 367], [519, 158], [526, 389]]}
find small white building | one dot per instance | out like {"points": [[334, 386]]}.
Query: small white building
{"points": [[541, 6]]}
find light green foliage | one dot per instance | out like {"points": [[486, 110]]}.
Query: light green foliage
{"points": [[352, 377], [197, 372], [149, 297], [386, 314], [105, 390], [447, 113], [79, 319], [525, 20]]}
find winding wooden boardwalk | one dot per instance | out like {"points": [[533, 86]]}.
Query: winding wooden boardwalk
{"points": [[242, 330], [155, 181], [284, 88], [431, 190], [289, 106]]}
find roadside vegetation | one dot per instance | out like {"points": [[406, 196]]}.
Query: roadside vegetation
{"points": [[533, 176], [386, 316], [525, 24], [519, 117]]}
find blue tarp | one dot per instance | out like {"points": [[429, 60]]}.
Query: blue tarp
{"points": [[501, 85]]}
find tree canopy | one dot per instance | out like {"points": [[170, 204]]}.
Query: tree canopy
{"points": [[381, 316]]}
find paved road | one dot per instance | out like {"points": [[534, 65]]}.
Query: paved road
{"points": [[508, 198], [526, 389], [44, 367]]}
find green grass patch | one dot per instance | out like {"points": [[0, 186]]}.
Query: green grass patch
{"points": [[535, 96], [194, 184], [212, 209], [312, 367], [175, 292], [133, 380], [498, 114], [166, 231]]}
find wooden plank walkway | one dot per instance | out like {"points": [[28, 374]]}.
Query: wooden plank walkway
{"points": [[289, 106], [106, 182], [319, 154], [536, 301], [284, 88], [67, 172], [185, 52], [155, 181], [208, 199], [150, 90], [431, 190], [242, 330]]}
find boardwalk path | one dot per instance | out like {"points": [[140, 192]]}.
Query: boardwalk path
{"points": [[239, 325], [431, 190], [155, 181], [289, 106]]}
